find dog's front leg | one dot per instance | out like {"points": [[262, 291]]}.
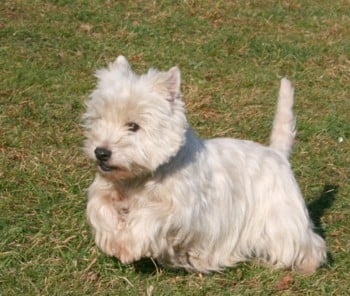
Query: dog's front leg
{"points": [[117, 232], [105, 214]]}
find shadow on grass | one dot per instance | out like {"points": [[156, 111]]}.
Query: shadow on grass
{"points": [[318, 207], [320, 204], [148, 266]]}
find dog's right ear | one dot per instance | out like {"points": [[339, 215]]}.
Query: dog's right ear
{"points": [[120, 62]]}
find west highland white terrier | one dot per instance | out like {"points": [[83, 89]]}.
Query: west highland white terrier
{"points": [[161, 192]]}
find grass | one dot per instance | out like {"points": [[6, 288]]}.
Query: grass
{"points": [[232, 55]]}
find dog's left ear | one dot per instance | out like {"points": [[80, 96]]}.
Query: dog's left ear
{"points": [[165, 83], [173, 83]]}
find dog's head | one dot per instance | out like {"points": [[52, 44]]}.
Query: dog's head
{"points": [[134, 123]]}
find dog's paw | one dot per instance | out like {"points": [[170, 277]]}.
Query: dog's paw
{"points": [[126, 254]]}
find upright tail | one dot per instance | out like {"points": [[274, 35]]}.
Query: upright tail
{"points": [[283, 130]]}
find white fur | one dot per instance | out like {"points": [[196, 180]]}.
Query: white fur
{"points": [[188, 202]]}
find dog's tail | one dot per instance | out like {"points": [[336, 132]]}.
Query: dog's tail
{"points": [[283, 130]]}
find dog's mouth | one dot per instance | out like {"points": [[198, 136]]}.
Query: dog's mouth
{"points": [[106, 168]]}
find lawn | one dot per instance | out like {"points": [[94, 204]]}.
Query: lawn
{"points": [[232, 55]]}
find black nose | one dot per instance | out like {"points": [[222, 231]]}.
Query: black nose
{"points": [[102, 154]]}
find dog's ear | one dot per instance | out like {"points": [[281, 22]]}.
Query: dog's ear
{"points": [[173, 83], [165, 83], [120, 62]]}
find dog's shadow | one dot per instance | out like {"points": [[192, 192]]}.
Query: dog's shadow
{"points": [[151, 267], [320, 204], [317, 209]]}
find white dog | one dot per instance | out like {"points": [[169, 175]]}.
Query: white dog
{"points": [[161, 192]]}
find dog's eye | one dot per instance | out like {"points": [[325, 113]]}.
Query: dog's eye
{"points": [[132, 126]]}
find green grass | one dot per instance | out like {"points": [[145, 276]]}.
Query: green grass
{"points": [[232, 55]]}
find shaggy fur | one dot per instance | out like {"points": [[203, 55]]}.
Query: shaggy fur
{"points": [[161, 192]]}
